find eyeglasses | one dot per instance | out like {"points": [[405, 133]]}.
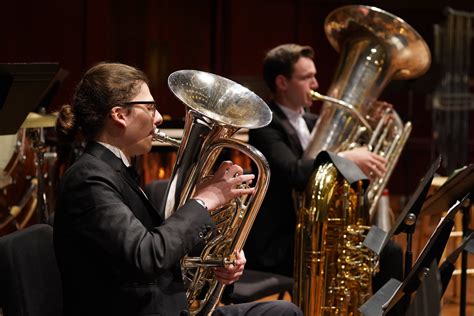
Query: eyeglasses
{"points": [[150, 105]]}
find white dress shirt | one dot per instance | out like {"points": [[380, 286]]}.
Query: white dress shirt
{"points": [[297, 121]]}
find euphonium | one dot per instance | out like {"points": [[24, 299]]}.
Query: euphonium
{"points": [[375, 47], [217, 108]]}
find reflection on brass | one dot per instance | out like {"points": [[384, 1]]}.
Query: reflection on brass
{"points": [[332, 269], [375, 47], [216, 108], [384, 134]]}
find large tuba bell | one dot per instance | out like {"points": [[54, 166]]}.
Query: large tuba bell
{"points": [[217, 108], [375, 47], [332, 268]]}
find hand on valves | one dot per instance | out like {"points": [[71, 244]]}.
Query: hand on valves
{"points": [[223, 186], [232, 273], [371, 164]]}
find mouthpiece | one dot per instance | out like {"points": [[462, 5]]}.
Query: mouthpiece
{"points": [[163, 138]]}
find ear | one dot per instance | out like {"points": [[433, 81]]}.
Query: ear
{"points": [[281, 82], [119, 116]]}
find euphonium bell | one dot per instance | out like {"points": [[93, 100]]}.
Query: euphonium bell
{"points": [[216, 108]]}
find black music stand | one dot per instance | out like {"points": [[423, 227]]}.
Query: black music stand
{"points": [[394, 292], [377, 238], [447, 267], [429, 291], [22, 87], [470, 246], [432, 251], [458, 185]]}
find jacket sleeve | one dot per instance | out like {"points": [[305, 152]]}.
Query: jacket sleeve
{"points": [[92, 210]]}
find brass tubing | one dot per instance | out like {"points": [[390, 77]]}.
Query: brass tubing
{"points": [[342, 105]]}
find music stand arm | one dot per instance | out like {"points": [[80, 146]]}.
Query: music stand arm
{"points": [[410, 222]]}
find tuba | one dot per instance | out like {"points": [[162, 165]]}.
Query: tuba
{"points": [[217, 108], [332, 268]]}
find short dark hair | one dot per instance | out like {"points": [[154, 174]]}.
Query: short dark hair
{"points": [[280, 61]]}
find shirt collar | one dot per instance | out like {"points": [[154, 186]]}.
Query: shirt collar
{"points": [[291, 114], [117, 152]]}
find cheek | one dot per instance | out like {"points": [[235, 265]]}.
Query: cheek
{"points": [[303, 89], [140, 131], [144, 122]]}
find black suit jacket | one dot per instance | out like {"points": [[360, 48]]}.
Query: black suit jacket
{"points": [[269, 246], [116, 254]]}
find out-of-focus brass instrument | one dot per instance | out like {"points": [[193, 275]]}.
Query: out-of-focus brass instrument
{"points": [[217, 108], [333, 271], [332, 268], [375, 47], [387, 137]]}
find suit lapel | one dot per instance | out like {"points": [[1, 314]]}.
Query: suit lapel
{"points": [[133, 183], [289, 129], [310, 120], [106, 155]]}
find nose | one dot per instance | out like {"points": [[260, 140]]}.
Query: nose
{"points": [[157, 119], [314, 84]]}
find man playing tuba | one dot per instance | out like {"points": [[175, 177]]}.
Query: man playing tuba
{"points": [[290, 73]]}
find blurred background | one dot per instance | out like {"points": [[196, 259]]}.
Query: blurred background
{"points": [[230, 38]]}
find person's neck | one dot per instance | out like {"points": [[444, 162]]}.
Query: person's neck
{"points": [[283, 101], [114, 141], [108, 139]]}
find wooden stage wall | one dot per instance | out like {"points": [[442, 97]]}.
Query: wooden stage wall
{"points": [[226, 37]]}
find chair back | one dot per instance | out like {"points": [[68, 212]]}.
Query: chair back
{"points": [[30, 282]]}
